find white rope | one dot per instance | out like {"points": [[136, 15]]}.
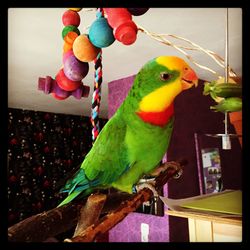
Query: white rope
{"points": [[162, 38]]}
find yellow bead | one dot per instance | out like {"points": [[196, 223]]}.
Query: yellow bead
{"points": [[84, 50], [75, 9]]}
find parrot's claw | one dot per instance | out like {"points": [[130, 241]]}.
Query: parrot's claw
{"points": [[177, 167], [178, 174], [149, 184], [163, 168]]}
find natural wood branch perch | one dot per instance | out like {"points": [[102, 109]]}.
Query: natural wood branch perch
{"points": [[46, 224], [56, 221], [110, 220], [90, 213], [62, 219]]}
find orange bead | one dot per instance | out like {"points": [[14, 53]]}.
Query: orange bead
{"points": [[67, 47], [84, 50], [70, 37]]}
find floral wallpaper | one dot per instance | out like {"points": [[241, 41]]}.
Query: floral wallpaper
{"points": [[43, 150]]}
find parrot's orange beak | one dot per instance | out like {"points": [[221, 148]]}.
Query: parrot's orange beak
{"points": [[189, 78]]}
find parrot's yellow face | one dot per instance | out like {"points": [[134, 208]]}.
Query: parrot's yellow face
{"points": [[161, 98]]}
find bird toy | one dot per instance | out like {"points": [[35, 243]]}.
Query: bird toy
{"points": [[80, 49]]}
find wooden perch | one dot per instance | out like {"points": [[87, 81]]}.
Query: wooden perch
{"points": [[39, 227], [109, 221], [90, 213], [58, 220]]}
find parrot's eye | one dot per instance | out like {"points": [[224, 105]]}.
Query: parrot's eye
{"points": [[165, 76]]}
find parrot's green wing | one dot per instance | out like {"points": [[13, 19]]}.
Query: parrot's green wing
{"points": [[106, 161], [108, 158]]}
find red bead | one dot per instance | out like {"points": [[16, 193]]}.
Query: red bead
{"points": [[65, 83], [71, 17], [124, 28]]}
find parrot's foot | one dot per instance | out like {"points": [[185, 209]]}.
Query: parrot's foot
{"points": [[148, 184]]}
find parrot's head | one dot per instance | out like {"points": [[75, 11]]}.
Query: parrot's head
{"points": [[156, 86]]}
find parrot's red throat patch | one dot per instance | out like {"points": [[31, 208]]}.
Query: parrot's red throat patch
{"points": [[157, 118]]}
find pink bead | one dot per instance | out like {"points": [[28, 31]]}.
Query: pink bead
{"points": [[67, 55]]}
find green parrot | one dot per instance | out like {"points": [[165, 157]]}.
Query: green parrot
{"points": [[134, 141]]}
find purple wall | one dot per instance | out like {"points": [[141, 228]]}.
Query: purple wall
{"points": [[158, 226], [117, 91], [129, 230], [192, 115]]}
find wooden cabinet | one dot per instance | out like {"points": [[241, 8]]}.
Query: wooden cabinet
{"points": [[211, 228]]}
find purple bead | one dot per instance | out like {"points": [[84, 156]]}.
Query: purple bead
{"points": [[82, 91], [67, 55], [74, 69], [45, 84]]}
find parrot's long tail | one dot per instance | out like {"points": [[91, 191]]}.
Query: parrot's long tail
{"points": [[77, 185], [69, 198]]}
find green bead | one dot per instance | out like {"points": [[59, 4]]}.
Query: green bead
{"points": [[69, 28]]}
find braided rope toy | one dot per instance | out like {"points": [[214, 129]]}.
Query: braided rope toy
{"points": [[96, 98]]}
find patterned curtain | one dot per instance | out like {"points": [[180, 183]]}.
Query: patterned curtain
{"points": [[43, 150]]}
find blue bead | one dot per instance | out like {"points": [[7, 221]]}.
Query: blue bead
{"points": [[100, 33]]}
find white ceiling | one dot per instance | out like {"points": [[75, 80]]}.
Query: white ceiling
{"points": [[35, 50]]}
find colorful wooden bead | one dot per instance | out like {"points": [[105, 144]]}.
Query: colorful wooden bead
{"points": [[70, 37], [69, 40], [75, 9], [71, 17], [84, 50], [67, 47], [101, 33], [74, 69], [65, 83], [67, 54], [69, 28], [124, 28]]}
